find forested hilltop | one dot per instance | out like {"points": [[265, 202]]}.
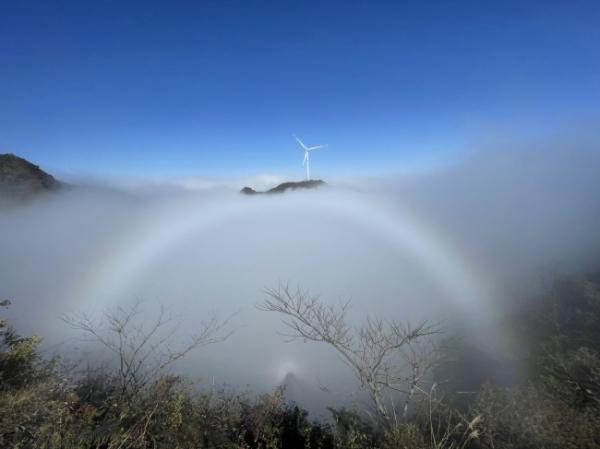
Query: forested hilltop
{"points": [[20, 178]]}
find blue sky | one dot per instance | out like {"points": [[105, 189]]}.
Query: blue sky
{"points": [[218, 87]]}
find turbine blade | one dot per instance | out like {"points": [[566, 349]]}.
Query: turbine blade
{"points": [[300, 142], [305, 158], [317, 147]]}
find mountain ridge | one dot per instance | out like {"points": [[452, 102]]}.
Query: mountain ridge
{"points": [[281, 188]]}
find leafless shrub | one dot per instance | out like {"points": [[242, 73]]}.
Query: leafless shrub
{"points": [[144, 349], [390, 359]]}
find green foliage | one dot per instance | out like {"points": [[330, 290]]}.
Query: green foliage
{"points": [[352, 431], [526, 417], [558, 406], [568, 360], [28, 394]]}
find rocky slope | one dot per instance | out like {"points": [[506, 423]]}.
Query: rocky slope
{"points": [[20, 178]]}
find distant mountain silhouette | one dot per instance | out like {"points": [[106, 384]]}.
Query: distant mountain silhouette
{"points": [[312, 184], [21, 179]]}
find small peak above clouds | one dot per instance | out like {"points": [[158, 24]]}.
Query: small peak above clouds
{"points": [[283, 187]]}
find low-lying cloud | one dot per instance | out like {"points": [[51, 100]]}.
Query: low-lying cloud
{"points": [[445, 246]]}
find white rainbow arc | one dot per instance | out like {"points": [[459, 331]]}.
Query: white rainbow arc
{"points": [[105, 281], [167, 227]]}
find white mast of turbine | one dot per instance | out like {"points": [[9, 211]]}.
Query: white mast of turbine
{"points": [[307, 151]]}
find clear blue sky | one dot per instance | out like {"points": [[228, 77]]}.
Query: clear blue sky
{"points": [[218, 87]]}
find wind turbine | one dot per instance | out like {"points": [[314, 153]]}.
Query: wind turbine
{"points": [[307, 151]]}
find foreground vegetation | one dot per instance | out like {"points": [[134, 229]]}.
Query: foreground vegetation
{"points": [[555, 405]]}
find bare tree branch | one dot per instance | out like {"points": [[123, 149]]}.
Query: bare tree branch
{"points": [[144, 348], [386, 356]]}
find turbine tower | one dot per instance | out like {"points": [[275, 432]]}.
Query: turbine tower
{"points": [[307, 151]]}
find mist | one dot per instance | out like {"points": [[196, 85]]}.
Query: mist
{"points": [[459, 245]]}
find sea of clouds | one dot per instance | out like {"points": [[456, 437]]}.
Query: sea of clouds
{"points": [[460, 245]]}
